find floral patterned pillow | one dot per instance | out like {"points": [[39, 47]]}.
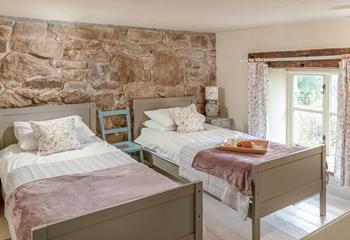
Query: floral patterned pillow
{"points": [[188, 119], [56, 135]]}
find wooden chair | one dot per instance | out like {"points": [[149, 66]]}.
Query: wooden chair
{"points": [[126, 146]]}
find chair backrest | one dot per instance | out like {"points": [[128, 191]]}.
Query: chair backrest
{"points": [[112, 113]]}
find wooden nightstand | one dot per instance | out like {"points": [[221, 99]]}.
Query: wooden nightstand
{"points": [[222, 122]]}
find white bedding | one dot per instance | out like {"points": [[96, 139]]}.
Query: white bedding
{"points": [[181, 148], [169, 144], [18, 167]]}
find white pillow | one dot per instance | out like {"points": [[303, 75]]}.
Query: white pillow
{"points": [[27, 141], [188, 119], [25, 136], [162, 116], [154, 125], [56, 135]]}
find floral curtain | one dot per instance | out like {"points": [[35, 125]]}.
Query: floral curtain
{"points": [[342, 155], [258, 90]]}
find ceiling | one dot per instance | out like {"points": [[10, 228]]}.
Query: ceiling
{"points": [[191, 15]]}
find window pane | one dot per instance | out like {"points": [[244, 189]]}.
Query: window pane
{"points": [[333, 93], [332, 134], [308, 91], [307, 129]]}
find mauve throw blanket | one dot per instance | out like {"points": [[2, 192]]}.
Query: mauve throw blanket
{"points": [[235, 168], [54, 199]]}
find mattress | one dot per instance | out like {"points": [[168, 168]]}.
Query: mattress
{"points": [[181, 148]]}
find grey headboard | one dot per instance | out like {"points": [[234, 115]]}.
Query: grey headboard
{"points": [[7, 116], [141, 105]]}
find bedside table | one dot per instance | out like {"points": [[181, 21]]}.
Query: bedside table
{"points": [[222, 122]]}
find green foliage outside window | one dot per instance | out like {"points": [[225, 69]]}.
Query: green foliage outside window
{"points": [[309, 90]]}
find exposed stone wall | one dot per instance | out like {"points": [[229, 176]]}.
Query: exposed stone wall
{"points": [[54, 62], [49, 62]]}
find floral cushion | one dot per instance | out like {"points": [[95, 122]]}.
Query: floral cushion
{"points": [[55, 135], [188, 119]]}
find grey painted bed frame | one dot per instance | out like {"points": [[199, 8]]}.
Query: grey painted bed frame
{"points": [[336, 229], [175, 214], [39, 113], [276, 184]]}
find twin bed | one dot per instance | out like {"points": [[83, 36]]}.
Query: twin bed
{"points": [[277, 181], [97, 192], [161, 209]]}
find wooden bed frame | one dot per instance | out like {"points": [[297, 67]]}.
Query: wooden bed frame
{"points": [[276, 184], [336, 229], [175, 214]]}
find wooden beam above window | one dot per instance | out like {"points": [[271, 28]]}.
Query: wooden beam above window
{"points": [[305, 64], [301, 53], [333, 63]]}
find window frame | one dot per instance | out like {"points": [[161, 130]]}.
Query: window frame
{"points": [[326, 114]]}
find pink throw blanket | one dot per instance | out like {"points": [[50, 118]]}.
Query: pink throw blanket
{"points": [[235, 168], [65, 197]]}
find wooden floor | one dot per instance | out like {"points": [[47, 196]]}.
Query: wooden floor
{"points": [[223, 223], [294, 222]]}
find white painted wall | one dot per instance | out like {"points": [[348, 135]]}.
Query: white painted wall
{"points": [[277, 108], [235, 45]]}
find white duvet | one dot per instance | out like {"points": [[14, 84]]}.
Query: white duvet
{"points": [[18, 167], [181, 148], [169, 144]]}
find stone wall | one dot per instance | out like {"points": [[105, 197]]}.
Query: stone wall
{"points": [[55, 62]]}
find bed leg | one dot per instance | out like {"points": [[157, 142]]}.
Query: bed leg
{"points": [[256, 229], [256, 205], [323, 203], [323, 197], [141, 156]]}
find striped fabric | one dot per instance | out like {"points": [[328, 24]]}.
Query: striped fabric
{"points": [[34, 172], [215, 186]]}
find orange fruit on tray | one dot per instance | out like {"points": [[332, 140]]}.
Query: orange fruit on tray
{"points": [[246, 144], [253, 146]]}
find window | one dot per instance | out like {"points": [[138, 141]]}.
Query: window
{"points": [[312, 113]]}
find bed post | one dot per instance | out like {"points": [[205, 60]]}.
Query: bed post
{"points": [[40, 233], [255, 206], [199, 211], [255, 228], [93, 117], [323, 200]]}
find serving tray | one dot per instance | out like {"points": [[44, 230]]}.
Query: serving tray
{"points": [[261, 147]]}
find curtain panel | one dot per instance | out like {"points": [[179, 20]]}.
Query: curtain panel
{"points": [[258, 91], [342, 155]]}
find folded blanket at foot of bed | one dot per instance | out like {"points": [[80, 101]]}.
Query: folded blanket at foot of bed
{"points": [[54, 199], [235, 168]]}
